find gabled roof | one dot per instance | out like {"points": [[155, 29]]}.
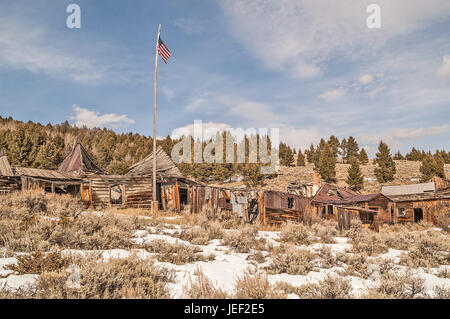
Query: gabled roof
{"points": [[164, 165], [79, 162], [408, 189], [329, 194], [5, 168], [44, 174]]}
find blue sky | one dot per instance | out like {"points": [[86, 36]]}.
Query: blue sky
{"points": [[309, 68]]}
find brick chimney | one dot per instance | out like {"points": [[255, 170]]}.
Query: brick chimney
{"points": [[316, 178]]}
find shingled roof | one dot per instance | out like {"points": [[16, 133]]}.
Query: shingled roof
{"points": [[5, 168], [79, 162], [164, 165]]}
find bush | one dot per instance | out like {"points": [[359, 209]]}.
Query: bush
{"points": [[244, 239], [27, 225], [428, 251], [178, 254], [326, 230], [37, 263], [114, 279], [291, 260], [397, 286], [297, 234], [203, 288], [332, 287], [256, 287]]}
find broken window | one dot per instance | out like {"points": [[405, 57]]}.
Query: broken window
{"points": [[401, 212], [290, 202], [116, 194]]}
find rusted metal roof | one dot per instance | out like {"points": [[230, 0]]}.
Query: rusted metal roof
{"points": [[164, 165], [5, 168], [362, 198], [78, 161], [329, 194]]}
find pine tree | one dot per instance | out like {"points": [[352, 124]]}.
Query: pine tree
{"points": [[343, 149], [363, 158], [252, 175], [431, 166], [355, 179], [334, 144], [398, 156], [300, 158], [310, 153], [286, 155], [327, 164], [385, 171], [352, 150]]}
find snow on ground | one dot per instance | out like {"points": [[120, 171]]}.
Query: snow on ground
{"points": [[228, 265]]}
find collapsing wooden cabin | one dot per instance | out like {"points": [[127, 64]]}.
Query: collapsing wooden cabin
{"points": [[78, 162], [135, 188], [271, 207]]}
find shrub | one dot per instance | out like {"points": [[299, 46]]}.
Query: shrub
{"points": [[244, 239], [297, 234], [397, 286], [37, 263], [332, 287], [114, 279], [256, 287], [203, 288], [178, 254], [291, 260], [326, 230], [428, 251]]}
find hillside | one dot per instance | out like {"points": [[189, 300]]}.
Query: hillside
{"points": [[407, 173]]}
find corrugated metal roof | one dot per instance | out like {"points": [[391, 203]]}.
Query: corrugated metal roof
{"points": [[5, 168], [408, 189]]}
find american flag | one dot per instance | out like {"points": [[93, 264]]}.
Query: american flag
{"points": [[162, 50]]}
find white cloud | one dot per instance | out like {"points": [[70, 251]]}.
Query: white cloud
{"points": [[94, 119], [298, 36], [444, 70], [333, 95], [374, 92], [189, 25], [398, 135], [209, 130], [366, 78]]}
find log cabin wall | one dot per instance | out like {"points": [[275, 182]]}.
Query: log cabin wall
{"points": [[133, 192]]}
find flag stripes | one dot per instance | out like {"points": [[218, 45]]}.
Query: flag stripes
{"points": [[162, 50]]}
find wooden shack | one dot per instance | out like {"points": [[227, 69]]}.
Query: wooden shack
{"points": [[8, 182]]}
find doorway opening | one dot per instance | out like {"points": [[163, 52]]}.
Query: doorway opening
{"points": [[418, 214]]}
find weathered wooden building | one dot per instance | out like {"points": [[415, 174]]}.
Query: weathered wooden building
{"points": [[416, 202], [8, 182]]}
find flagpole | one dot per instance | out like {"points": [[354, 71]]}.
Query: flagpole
{"points": [[154, 129]]}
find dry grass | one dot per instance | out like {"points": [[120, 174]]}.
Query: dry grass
{"points": [[291, 260], [114, 279], [244, 239], [326, 230], [178, 254], [356, 265]]}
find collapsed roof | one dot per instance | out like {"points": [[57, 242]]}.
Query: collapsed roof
{"points": [[79, 162], [164, 165]]}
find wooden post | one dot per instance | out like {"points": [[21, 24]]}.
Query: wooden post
{"points": [[177, 197], [154, 127], [53, 188], [90, 194]]}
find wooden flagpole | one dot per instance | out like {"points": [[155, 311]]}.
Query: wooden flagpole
{"points": [[154, 204]]}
